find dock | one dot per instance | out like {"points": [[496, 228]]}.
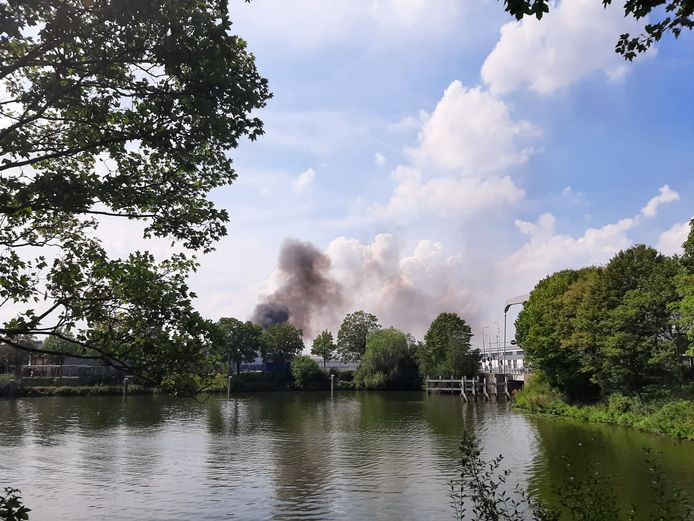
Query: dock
{"points": [[488, 386]]}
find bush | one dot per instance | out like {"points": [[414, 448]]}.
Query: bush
{"points": [[259, 382], [538, 396], [307, 375], [667, 416]]}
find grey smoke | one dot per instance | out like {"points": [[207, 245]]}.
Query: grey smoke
{"points": [[306, 291]]}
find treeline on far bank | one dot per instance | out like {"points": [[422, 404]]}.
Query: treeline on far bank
{"points": [[385, 358], [621, 335]]}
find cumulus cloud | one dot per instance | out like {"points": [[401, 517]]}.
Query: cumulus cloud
{"points": [[671, 240], [455, 196], [667, 195], [574, 40], [473, 131], [547, 251], [304, 180]]}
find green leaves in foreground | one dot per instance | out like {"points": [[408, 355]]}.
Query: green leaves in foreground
{"points": [[113, 112], [11, 506]]}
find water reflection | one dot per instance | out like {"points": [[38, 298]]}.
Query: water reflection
{"points": [[287, 455], [619, 455]]}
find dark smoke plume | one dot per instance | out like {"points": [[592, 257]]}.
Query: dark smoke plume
{"points": [[306, 288], [270, 313]]}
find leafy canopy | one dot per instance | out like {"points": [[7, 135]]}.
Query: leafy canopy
{"points": [[447, 349], [116, 110], [239, 341], [282, 342], [620, 328], [673, 16], [388, 362], [353, 333]]}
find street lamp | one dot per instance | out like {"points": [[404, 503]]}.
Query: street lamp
{"points": [[490, 344]]}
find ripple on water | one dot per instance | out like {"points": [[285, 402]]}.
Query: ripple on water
{"points": [[282, 456]]}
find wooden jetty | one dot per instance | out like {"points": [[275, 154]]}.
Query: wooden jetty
{"points": [[487, 386]]}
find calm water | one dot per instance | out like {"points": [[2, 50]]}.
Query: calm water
{"points": [[292, 456]]}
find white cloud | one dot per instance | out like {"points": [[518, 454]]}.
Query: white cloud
{"points": [[574, 40], [310, 24], [670, 241], [667, 195], [473, 131], [304, 179], [546, 251], [380, 159], [445, 196]]}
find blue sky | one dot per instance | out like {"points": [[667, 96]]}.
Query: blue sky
{"points": [[446, 157]]}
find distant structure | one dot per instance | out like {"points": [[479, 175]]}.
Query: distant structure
{"points": [[499, 355]]}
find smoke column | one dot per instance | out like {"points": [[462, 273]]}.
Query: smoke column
{"points": [[306, 289]]}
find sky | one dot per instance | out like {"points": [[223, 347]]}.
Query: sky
{"points": [[445, 157]]}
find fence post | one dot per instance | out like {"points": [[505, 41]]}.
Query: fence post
{"points": [[229, 386]]}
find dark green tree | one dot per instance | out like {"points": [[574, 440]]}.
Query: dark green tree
{"points": [[447, 350], [389, 362], [324, 346], [672, 17], [353, 333], [116, 110], [638, 336], [240, 342], [281, 342]]}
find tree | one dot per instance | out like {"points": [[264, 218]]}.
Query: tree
{"points": [[121, 110], [447, 349], [638, 341], [240, 341], [306, 373], [324, 346], [556, 333], [684, 309], [354, 331], [675, 15], [388, 362], [281, 342]]}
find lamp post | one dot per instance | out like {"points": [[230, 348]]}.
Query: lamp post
{"points": [[490, 344]]}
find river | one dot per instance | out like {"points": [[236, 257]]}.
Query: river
{"points": [[296, 456]]}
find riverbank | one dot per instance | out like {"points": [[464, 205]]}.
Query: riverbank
{"points": [[20, 389], [668, 415]]}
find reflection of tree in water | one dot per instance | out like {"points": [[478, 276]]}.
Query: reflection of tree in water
{"points": [[13, 427], [302, 452], [617, 454]]}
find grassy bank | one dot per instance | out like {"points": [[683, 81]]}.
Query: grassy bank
{"points": [[665, 414], [17, 389]]}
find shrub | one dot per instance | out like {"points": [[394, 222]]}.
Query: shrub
{"points": [[538, 396], [307, 374]]}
